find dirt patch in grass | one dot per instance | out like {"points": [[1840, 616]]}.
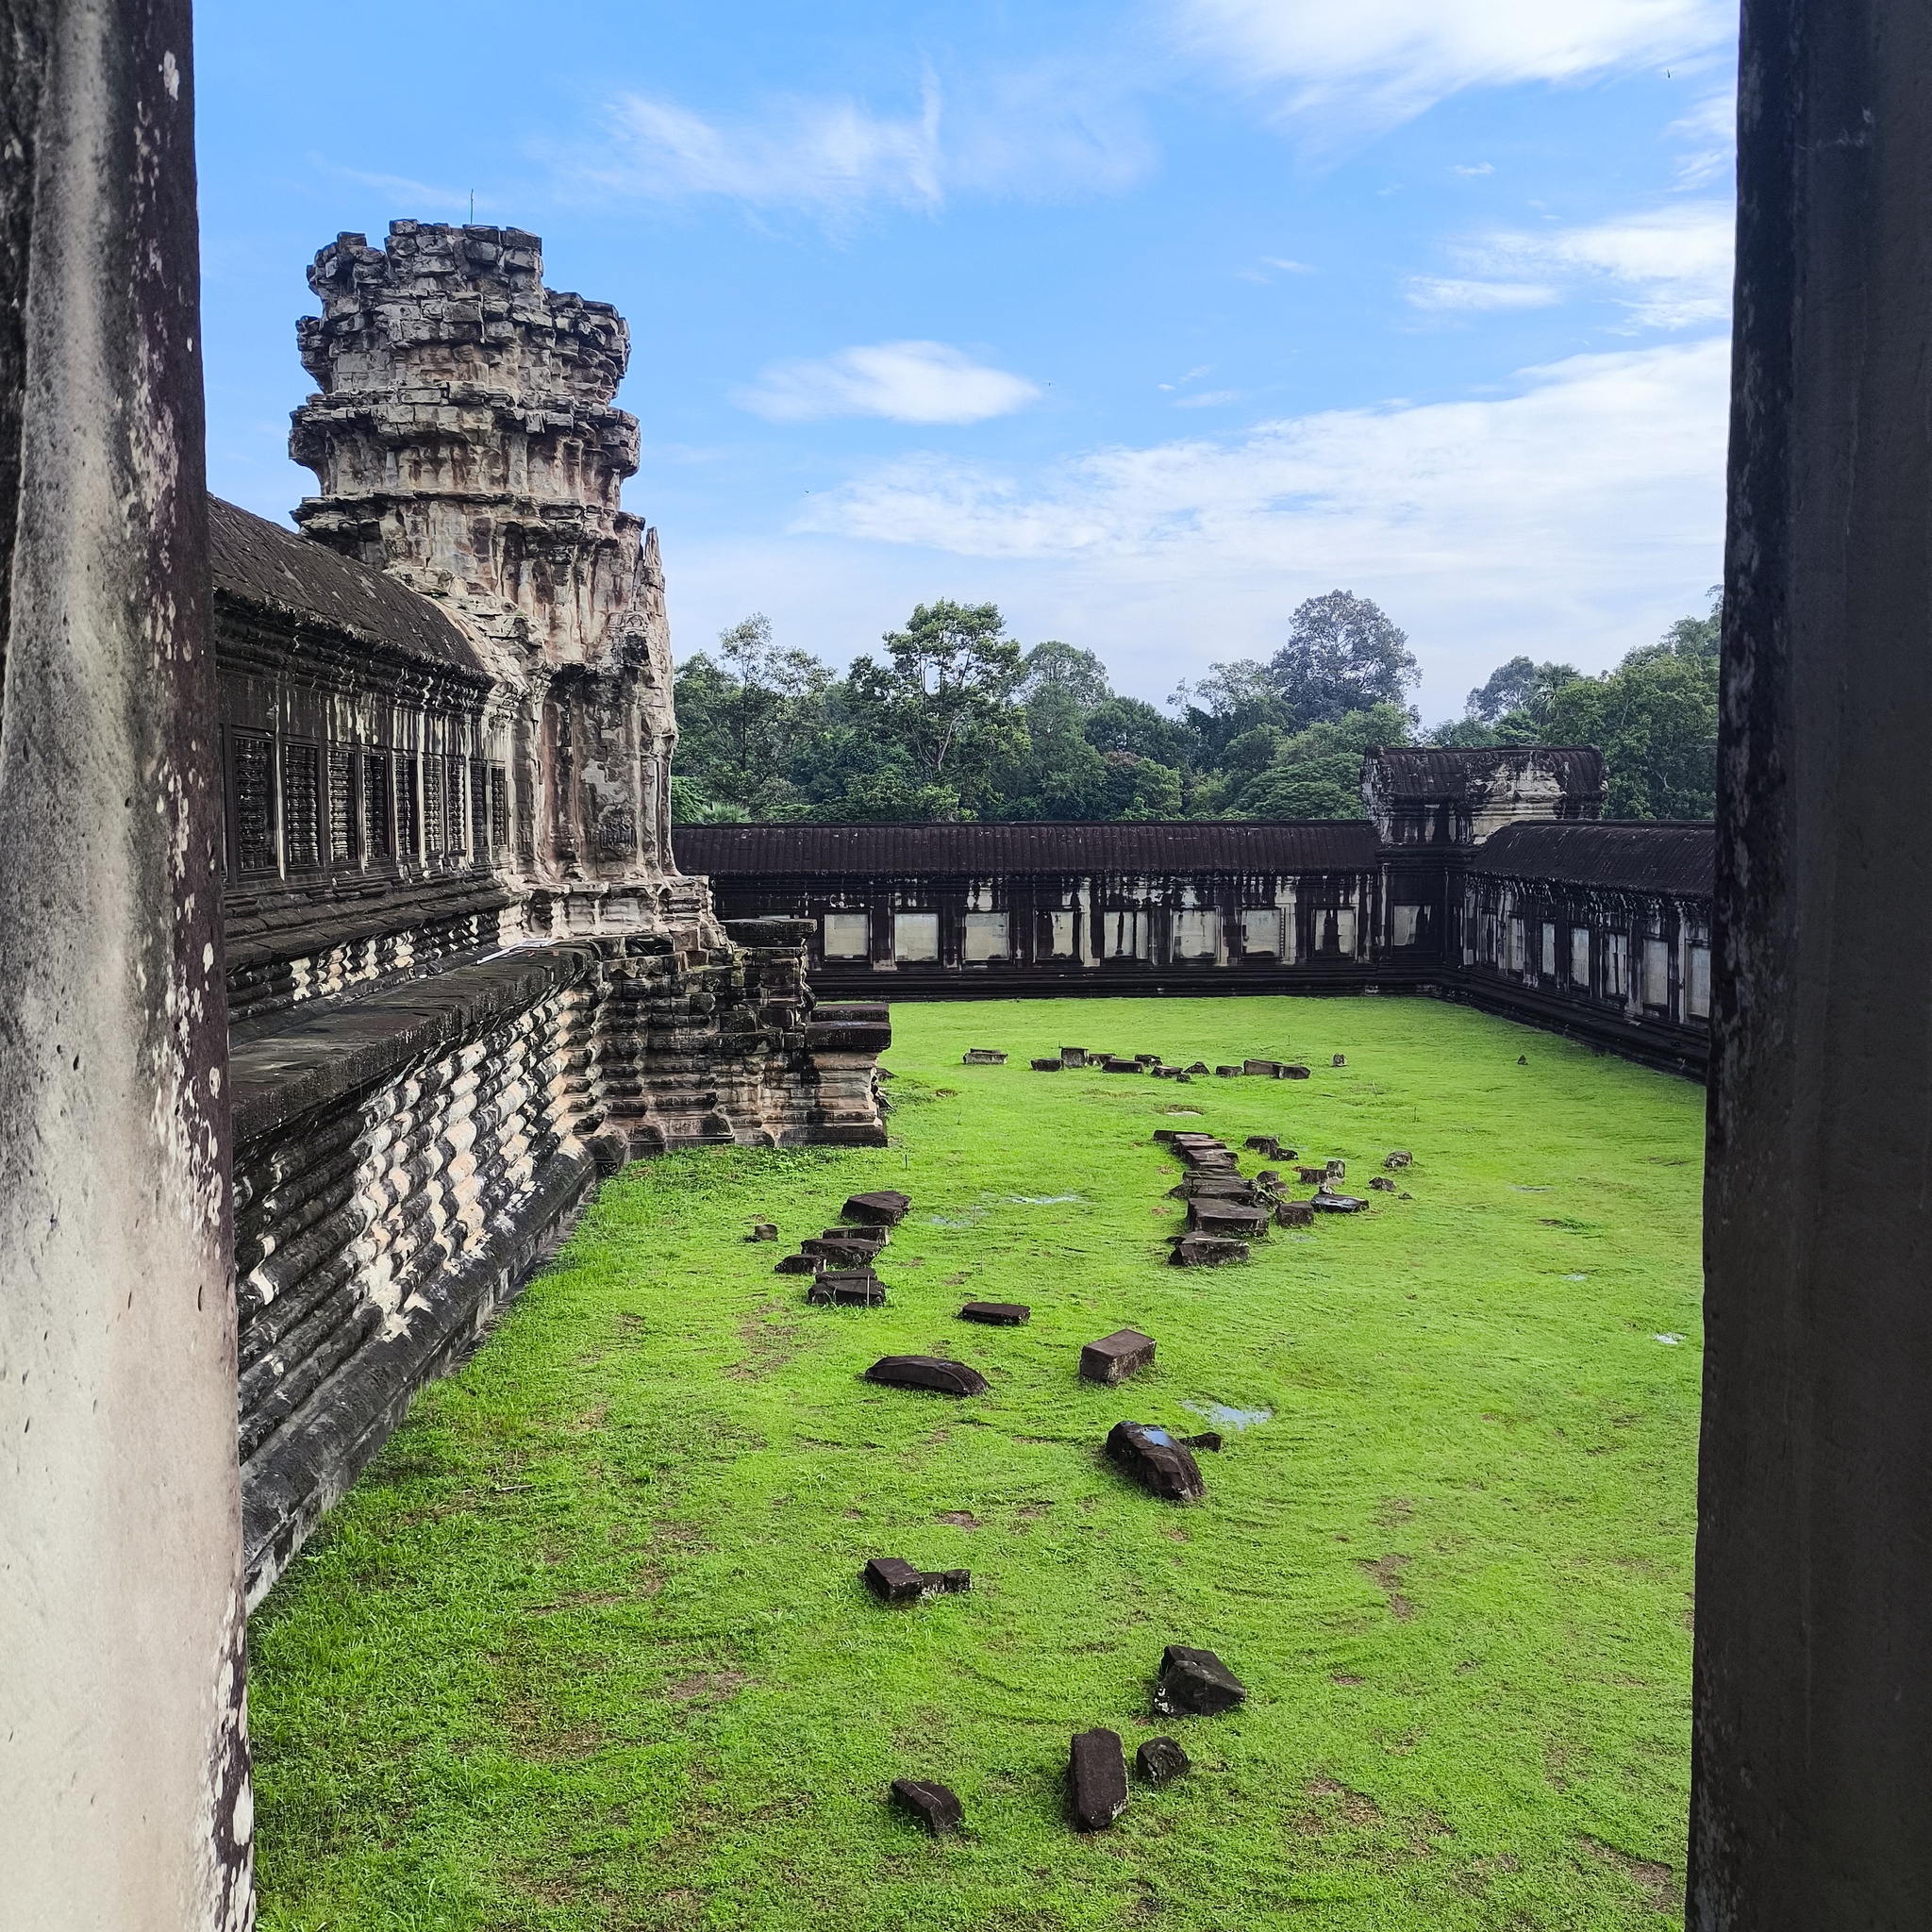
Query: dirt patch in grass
{"points": [[1386, 1572], [709, 1687], [1658, 1882], [770, 1342], [1337, 1808], [960, 1519]]}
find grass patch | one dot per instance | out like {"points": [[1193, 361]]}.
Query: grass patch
{"points": [[586, 1647]]}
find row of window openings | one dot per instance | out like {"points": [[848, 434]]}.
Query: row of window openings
{"points": [[1124, 935], [1615, 959], [334, 805]]}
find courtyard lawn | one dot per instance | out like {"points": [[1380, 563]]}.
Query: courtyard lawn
{"points": [[587, 1646]]}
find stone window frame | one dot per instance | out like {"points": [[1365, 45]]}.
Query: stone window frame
{"points": [[901, 915], [1584, 980], [290, 753], [235, 738]]}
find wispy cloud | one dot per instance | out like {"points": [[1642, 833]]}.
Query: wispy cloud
{"points": [[1468, 296], [1376, 64], [1709, 135], [905, 382], [1670, 267], [1034, 135], [1207, 399], [1474, 169], [1585, 505]]}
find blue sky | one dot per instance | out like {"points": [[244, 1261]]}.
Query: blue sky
{"points": [[1145, 321]]}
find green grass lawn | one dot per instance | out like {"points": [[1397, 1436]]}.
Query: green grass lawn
{"points": [[587, 1647]]}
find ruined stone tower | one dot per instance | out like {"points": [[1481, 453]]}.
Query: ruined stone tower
{"points": [[464, 440]]}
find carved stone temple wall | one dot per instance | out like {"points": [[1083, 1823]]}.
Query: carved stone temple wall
{"points": [[465, 974]]}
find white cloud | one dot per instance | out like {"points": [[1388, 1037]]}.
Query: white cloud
{"points": [[906, 382], [1476, 169], [1670, 267], [1573, 518], [1207, 399], [1036, 135], [1709, 131], [1374, 63], [1436, 292]]}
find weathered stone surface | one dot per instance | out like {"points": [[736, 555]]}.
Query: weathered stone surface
{"points": [[1160, 1760], [1226, 1220], [1215, 1187], [1194, 1683], [1400, 1157], [768, 934], [1116, 1357], [1294, 1214], [1294, 1070], [885, 1208], [847, 1288], [1382, 1184], [1337, 1170], [1072, 1056], [1155, 1459], [1208, 1440], [1199, 1067], [799, 1264], [1268, 1070], [1227, 1072], [997, 1314], [873, 1238], [838, 1254], [1262, 1144], [1312, 1176], [1206, 1251], [1097, 1775], [1047, 1066], [927, 1372], [763, 1231], [983, 1056], [1341, 1059], [1116, 1066], [1327, 1203], [933, 1805]]}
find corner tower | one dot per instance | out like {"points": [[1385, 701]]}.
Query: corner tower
{"points": [[464, 438]]}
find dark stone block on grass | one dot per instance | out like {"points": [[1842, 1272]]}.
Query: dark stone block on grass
{"points": [[884, 1207], [1294, 1214], [1116, 1357], [847, 1288], [983, 1056], [1267, 1070], [997, 1314], [799, 1264], [1200, 1067], [1311, 1177], [1215, 1186], [1114, 1066], [873, 1238], [1401, 1158], [1294, 1072], [763, 1231], [1206, 1251], [1226, 1220], [1341, 1059], [1160, 1760], [1336, 1204], [1047, 1066], [1194, 1683], [1263, 1143], [1381, 1183], [1098, 1771], [1208, 1440], [893, 1580], [835, 1254], [1227, 1072], [1155, 1459], [932, 1804], [1072, 1056], [927, 1372]]}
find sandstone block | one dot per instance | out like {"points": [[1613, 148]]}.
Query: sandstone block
{"points": [[1160, 1760], [1206, 1251], [1194, 1683], [983, 1056], [997, 1314], [933, 1805], [1294, 1214], [1226, 1220], [847, 1288], [1046, 1066], [1294, 1072], [1401, 1158], [893, 1580], [1116, 1357], [927, 1372], [1098, 1773], [1327, 1203], [1155, 1459], [884, 1207], [763, 1231]]}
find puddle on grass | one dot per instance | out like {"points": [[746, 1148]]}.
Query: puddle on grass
{"points": [[1668, 1341], [1521, 1189], [1576, 1278], [1223, 1417], [1043, 1200]]}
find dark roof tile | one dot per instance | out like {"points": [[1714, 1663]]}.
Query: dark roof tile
{"points": [[1645, 856]]}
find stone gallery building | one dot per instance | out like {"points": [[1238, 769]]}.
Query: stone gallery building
{"points": [[464, 973], [1483, 875]]}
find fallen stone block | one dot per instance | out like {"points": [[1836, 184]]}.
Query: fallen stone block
{"points": [[1294, 1214], [1114, 1066], [1046, 1066], [1312, 1176], [1098, 1771], [1072, 1056], [1381, 1183], [1159, 1461], [1227, 1072], [1226, 1220], [1401, 1158], [1268, 1070], [1327, 1203], [847, 1288], [1262, 1144], [1215, 1187], [1160, 1760], [1208, 1440], [799, 1264], [1194, 1683], [1183, 1079], [997, 1314], [833, 1254], [932, 1804], [1294, 1072], [884, 1207], [893, 1580], [1200, 1067], [1206, 1251], [1148, 1059], [872, 1237], [1337, 1170], [763, 1231], [1341, 1059], [927, 1372], [1116, 1357], [983, 1056]]}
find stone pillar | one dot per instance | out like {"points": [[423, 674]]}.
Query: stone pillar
{"points": [[1812, 1802], [123, 1777]]}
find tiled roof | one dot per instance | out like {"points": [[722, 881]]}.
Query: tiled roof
{"points": [[255, 561], [981, 850], [1645, 856], [1422, 771]]}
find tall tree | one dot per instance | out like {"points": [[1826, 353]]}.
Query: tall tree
{"points": [[1344, 654]]}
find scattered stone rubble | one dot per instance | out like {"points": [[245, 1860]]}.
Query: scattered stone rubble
{"points": [[893, 1580], [1116, 1357], [997, 1314], [983, 1056], [1155, 1459], [885, 1208], [933, 1805], [1194, 1683], [1160, 1760], [929, 1372], [846, 1288]]}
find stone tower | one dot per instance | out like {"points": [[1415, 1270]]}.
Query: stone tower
{"points": [[463, 438]]}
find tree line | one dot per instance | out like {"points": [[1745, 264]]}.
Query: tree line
{"points": [[956, 720]]}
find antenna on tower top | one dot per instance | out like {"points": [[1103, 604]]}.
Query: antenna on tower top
{"points": [[472, 208]]}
